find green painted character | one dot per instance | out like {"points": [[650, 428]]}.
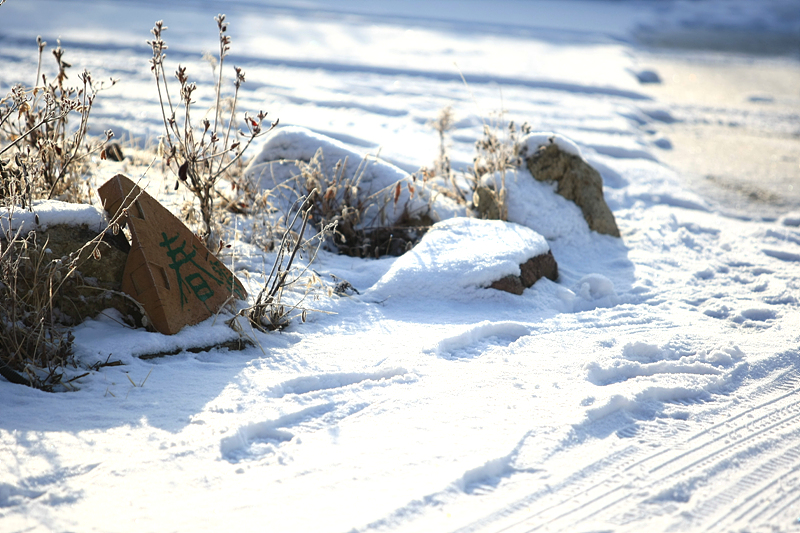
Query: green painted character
{"points": [[195, 281]]}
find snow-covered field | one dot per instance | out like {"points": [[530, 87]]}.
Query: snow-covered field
{"points": [[654, 387]]}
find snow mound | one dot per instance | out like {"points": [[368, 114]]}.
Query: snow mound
{"points": [[642, 359], [275, 169], [46, 213], [458, 254]]}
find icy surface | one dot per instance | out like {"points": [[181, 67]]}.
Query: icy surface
{"points": [[653, 387]]}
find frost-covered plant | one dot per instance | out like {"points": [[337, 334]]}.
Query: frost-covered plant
{"points": [[496, 152], [443, 124], [357, 220], [442, 178], [270, 312], [43, 154], [201, 154], [498, 149]]}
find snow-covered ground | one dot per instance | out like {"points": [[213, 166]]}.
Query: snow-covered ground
{"points": [[655, 386]]}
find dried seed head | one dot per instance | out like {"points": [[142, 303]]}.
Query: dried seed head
{"points": [[239, 77]]}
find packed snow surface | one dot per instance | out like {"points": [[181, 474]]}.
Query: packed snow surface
{"points": [[655, 386]]}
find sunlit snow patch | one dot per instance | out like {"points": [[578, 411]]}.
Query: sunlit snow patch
{"points": [[643, 359], [535, 204], [503, 333], [674, 372]]}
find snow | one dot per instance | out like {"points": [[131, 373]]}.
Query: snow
{"points": [[530, 142], [532, 203], [652, 387], [45, 213]]}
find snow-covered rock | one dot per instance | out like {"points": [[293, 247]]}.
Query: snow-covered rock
{"points": [[459, 256], [557, 162], [46, 213]]}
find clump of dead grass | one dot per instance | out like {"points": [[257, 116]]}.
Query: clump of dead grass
{"points": [[35, 338], [496, 152], [43, 155], [43, 152], [358, 219]]}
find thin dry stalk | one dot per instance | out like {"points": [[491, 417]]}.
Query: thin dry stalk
{"points": [[269, 312], [201, 155]]}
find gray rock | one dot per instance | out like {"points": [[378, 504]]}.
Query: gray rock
{"points": [[578, 182]]}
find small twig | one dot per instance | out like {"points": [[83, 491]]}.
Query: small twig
{"points": [[76, 377]]}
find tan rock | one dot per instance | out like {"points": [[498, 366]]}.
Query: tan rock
{"points": [[578, 182]]}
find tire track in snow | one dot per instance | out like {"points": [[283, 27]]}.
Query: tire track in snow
{"points": [[615, 489], [758, 499], [696, 466]]}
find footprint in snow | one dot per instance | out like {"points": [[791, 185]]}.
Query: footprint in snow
{"points": [[475, 340]]}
